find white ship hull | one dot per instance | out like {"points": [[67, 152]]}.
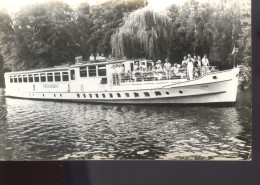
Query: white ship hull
{"points": [[216, 87]]}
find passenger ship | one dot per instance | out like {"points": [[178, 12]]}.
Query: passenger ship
{"points": [[95, 82]]}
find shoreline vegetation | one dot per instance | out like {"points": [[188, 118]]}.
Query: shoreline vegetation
{"points": [[52, 33]]}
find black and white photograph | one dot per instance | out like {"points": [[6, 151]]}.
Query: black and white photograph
{"points": [[125, 80]]}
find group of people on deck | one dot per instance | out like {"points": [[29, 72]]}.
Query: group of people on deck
{"points": [[98, 57], [192, 67], [195, 66]]}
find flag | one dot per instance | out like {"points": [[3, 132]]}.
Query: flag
{"points": [[235, 50]]}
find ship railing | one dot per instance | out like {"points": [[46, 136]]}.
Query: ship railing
{"points": [[141, 76]]}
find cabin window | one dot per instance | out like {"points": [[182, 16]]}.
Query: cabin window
{"points": [[15, 79], [157, 93], [111, 95], [90, 95], [146, 94], [11, 79], [20, 79], [65, 76], [127, 95], [43, 77], [50, 77], [136, 94], [83, 72], [96, 95], [30, 77], [103, 95], [118, 95], [102, 70], [25, 79], [36, 78], [72, 74], [57, 77], [92, 71]]}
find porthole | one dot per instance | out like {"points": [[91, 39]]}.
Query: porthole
{"points": [[78, 95], [60, 95], [54, 95], [158, 93], [118, 95], [215, 77], [43, 95], [180, 92], [136, 94], [167, 93], [90, 95], [146, 94], [84, 95], [103, 95], [96, 95], [111, 95]]}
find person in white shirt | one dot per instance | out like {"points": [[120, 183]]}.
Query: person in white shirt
{"points": [[175, 69], [91, 58], [205, 64], [102, 57], [205, 61], [190, 67], [136, 66], [167, 67], [159, 65], [97, 57], [143, 66]]}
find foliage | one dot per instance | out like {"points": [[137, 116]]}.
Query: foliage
{"points": [[144, 34]]}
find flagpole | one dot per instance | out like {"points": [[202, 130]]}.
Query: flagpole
{"points": [[234, 60]]}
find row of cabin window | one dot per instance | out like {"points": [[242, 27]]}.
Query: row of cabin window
{"points": [[40, 77], [147, 94], [92, 71]]}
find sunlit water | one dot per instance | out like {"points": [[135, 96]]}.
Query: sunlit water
{"points": [[45, 130]]}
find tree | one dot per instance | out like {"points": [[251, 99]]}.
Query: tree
{"points": [[145, 33]]}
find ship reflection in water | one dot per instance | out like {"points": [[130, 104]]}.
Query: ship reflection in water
{"points": [[45, 130]]}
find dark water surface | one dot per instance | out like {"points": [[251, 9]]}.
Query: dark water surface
{"points": [[45, 130]]}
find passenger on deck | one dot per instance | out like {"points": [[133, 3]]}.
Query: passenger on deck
{"points": [[190, 67], [136, 66], [102, 57], [205, 64], [112, 74], [197, 65], [143, 66], [91, 58], [175, 69], [159, 66], [167, 67], [184, 62], [97, 57]]}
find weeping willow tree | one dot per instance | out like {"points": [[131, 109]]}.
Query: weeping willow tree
{"points": [[144, 34]]}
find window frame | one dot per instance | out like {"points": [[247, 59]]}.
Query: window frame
{"points": [[25, 77], [51, 76], [90, 71], [62, 75], [57, 76], [36, 76]]}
